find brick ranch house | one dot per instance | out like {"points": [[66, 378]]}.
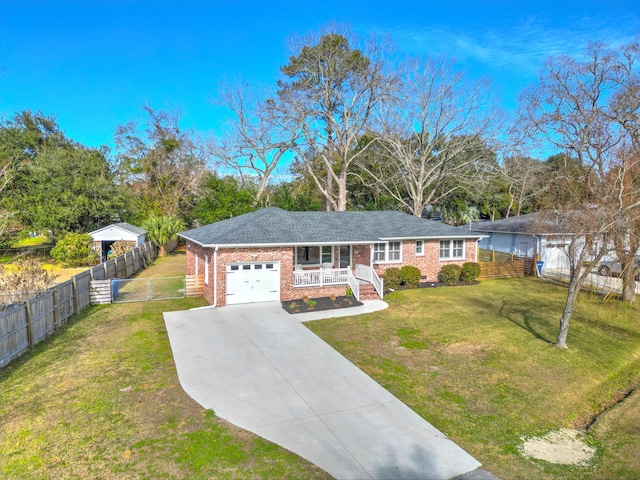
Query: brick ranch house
{"points": [[276, 255]]}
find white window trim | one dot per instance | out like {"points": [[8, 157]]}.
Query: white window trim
{"points": [[196, 264], [206, 269], [386, 253], [451, 257], [421, 254], [295, 255]]}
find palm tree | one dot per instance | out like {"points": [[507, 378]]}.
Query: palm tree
{"points": [[161, 229]]}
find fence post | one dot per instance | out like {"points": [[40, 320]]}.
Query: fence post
{"points": [[74, 284], [493, 256], [126, 267], [29, 324], [56, 317], [136, 251]]}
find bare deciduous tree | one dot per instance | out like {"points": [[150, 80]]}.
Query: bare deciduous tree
{"points": [[625, 181], [329, 90], [573, 108], [256, 139], [523, 177], [438, 127]]}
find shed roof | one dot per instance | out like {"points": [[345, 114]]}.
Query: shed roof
{"points": [[275, 227], [122, 226]]}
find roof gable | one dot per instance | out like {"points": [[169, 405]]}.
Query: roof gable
{"points": [[274, 226], [127, 227]]}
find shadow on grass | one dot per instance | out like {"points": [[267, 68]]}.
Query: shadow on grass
{"points": [[530, 317]]}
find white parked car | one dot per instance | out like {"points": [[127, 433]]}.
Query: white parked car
{"points": [[609, 267]]}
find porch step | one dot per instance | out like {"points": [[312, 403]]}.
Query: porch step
{"points": [[367, 292]]}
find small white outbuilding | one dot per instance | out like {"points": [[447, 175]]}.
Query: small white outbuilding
{"points": [[104, 237]]}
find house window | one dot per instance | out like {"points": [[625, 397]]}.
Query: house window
{"points": [[458, 249], [387, 252], [451, 249], [394, 251], [419, 247], [326, 254], [206, 269], [314, 255], [196, 264]]}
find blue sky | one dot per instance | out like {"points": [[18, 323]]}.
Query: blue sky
{"points": [[94, 64]]}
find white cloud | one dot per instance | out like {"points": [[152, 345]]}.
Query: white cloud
{"points": [[520, 48]]}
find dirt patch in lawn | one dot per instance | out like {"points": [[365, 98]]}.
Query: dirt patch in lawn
{"points": [[466, 349], [319, 304], [563, 446]]}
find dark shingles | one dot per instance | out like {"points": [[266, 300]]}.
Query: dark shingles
{"points": [[517, 224], [274, 226]]}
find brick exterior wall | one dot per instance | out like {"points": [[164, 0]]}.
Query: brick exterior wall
{"points": [[429, 265]]}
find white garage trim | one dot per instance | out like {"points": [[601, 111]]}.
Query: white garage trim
{"points": [[253, 282]]}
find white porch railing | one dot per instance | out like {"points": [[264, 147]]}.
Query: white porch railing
{"points": [[368, 274], [321, 277], [354, 285]]}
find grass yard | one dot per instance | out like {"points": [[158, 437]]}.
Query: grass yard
{"points": [[478, 362], [101, 399], [31, 241]]}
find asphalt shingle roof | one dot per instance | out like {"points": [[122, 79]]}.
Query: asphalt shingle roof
{"points": [[517, 224], [274, 226], [532, 223]]}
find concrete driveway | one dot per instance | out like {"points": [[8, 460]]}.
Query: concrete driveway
{"points": [[259, 368]]}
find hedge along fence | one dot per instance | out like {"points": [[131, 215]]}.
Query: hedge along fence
{"points": [[25, 324]]}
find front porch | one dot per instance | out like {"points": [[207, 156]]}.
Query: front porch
{"points": [[329, 277]]}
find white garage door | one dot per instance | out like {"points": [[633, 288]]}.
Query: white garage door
{"points": [[253, 282]]}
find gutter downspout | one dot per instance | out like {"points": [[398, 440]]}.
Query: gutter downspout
{"points": [[215, 277]]}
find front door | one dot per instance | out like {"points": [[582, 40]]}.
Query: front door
{"points": [[345, 256]]}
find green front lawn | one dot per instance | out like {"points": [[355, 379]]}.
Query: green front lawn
{"points": [[101, 399], [478, 362]]}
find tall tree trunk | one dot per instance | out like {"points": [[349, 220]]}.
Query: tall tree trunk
{"points": [[628, 283], [342, 190], [327, 201], [569, 307]]}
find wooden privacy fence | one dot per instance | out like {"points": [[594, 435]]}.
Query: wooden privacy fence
{"points": [[194, 285], [494, 264], [25, 324], [512, 269]]}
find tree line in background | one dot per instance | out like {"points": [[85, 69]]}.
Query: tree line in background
{"points": [[350, 126]]}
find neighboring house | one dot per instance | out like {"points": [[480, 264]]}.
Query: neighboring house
{"points": [[276, 255], [104, 237], [523, 237]]}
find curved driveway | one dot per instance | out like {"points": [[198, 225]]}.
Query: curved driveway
{"points": [[261, 369]]}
